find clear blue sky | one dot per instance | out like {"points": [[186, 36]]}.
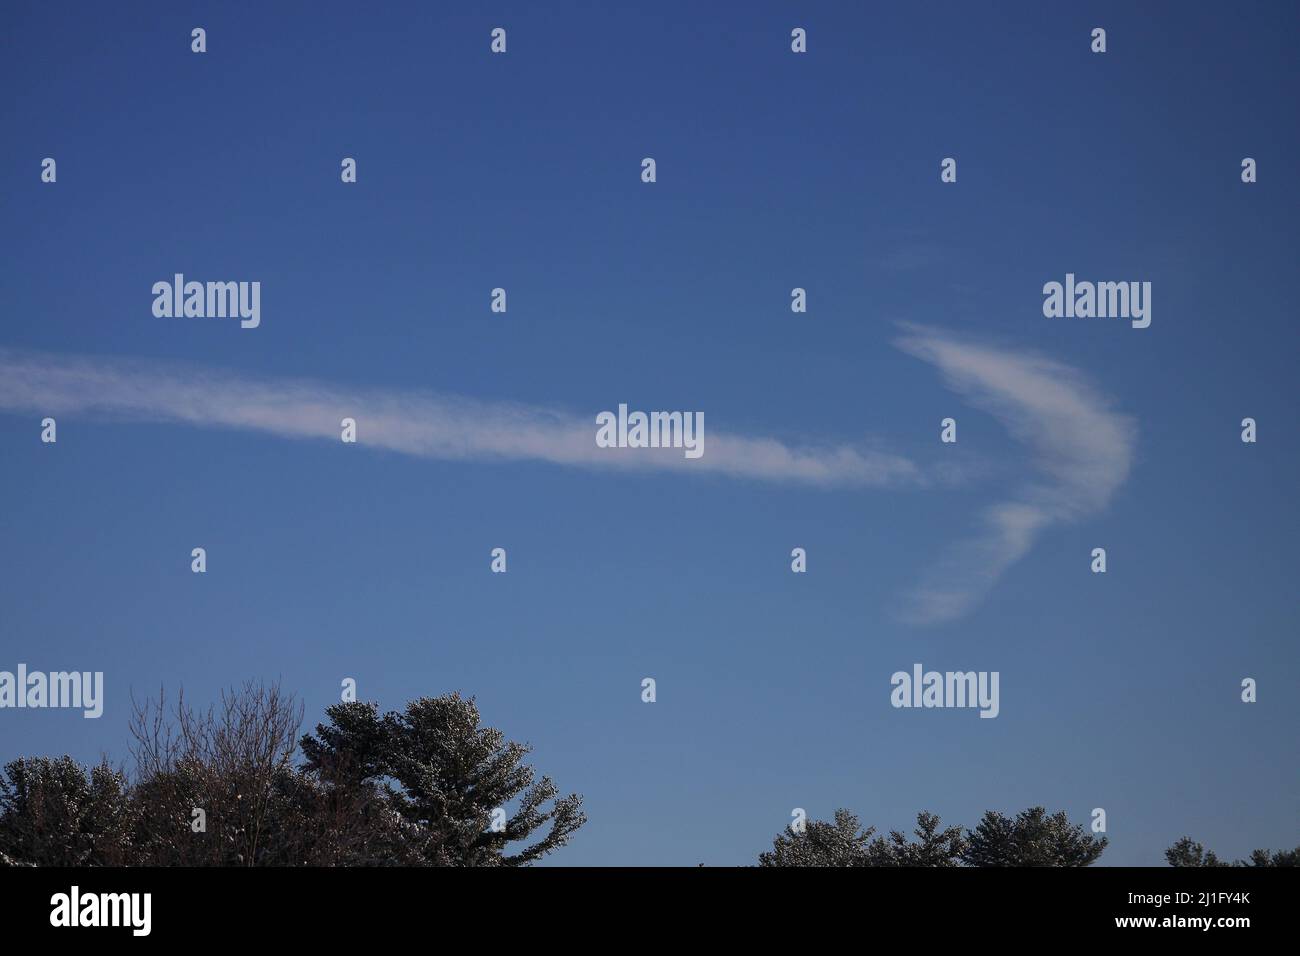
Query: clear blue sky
{"points": [[775, 170]]}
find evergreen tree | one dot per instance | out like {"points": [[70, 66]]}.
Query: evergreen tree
{"points": [[1032, 838], [932, 847], [818, 843], [54, 812], [1276, 858], [411, 788], [1187, 852], [843, 842], [445, 776]]}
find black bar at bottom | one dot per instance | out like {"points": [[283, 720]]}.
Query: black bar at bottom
{"points": [[207, 906]]}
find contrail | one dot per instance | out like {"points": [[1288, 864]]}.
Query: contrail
{"points": [[422, 424], [1081, 449]]}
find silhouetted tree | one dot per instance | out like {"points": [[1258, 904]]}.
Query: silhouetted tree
{"points": [[445, 776], [1275, 858], [54, 812], [234, 763], [1031, 838], [414, 788], [843, 842], [818, 843], [932, 847], [1186, 852]]}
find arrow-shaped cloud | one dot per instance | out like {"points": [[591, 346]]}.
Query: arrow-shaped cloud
{"points": [[1082, 450]]}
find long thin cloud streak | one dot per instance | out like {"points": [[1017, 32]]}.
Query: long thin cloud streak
{"points": [[413, 423], [1082, 450]]}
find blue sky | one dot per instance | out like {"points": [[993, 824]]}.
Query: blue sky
{"points": [[775, 170]]}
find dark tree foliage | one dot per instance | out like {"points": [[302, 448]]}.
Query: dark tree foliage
{"points": [[845, 843], [818, 843], [54, 812], [1186, 852], [234, 762], [933, 846], [444, 775], [1275, 858], [1031, 838], [415, 788]]}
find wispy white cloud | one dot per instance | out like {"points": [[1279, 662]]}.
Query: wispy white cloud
{"points": [[1082, 451], [422, 424], [1080, 448]]}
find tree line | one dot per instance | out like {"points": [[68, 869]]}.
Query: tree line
{"points": [[235, 785], [1032, 837]]}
